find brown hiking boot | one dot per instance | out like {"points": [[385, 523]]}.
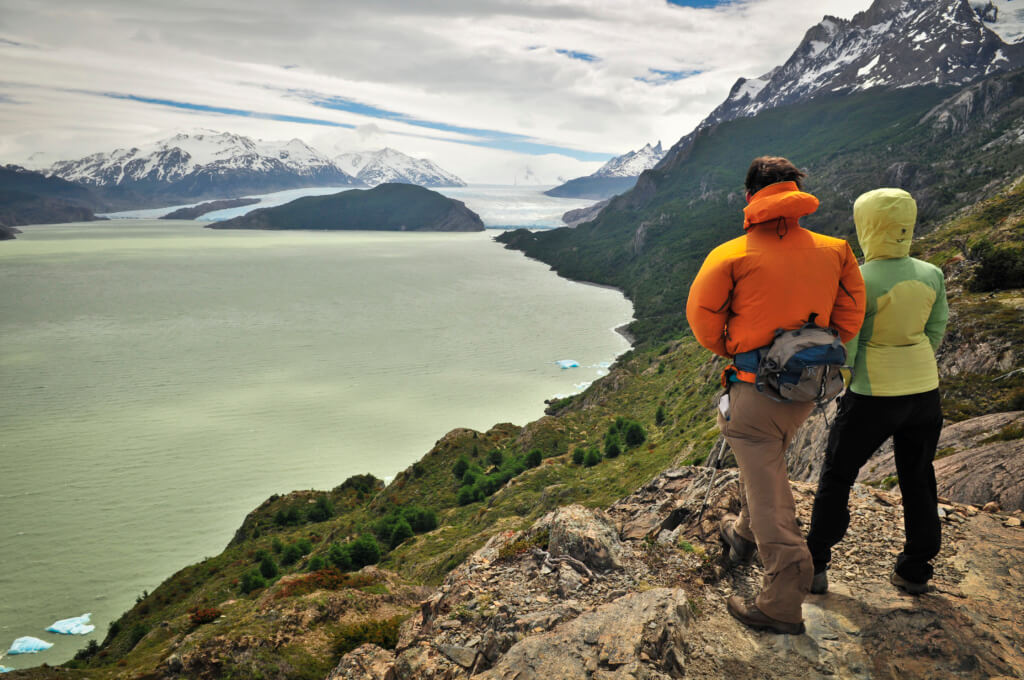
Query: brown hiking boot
{"points": [[740, 549], [909, 587], [750, 615]]}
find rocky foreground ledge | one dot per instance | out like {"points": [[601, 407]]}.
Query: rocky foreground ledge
{"points": [[638, 591]]}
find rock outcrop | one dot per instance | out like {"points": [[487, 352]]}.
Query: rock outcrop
{"points": [[547, 602]]}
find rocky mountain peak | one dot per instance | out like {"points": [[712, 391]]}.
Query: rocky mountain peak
{"points": [[633, 163]]}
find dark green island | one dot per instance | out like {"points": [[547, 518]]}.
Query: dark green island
{"points": [[388, 207]]}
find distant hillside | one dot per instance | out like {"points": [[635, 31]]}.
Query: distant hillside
{"points": [[597, 188], [615, 177], [948, 147], [388, 207], [195, 211], [28, 197]]}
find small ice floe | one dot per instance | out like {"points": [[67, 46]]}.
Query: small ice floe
{"points": [[568, 363], [78, 625], [5, 669], [582, 386], [28, 645]]}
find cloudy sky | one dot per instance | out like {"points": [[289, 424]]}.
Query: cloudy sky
{"points": [[485, 88]]}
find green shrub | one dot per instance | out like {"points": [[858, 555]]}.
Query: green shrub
{"points": [[292, 554], [381, 633], [268, 569], [460, 467], [316, 563], [276, 545], [467, 495], [340, 557], [361, 484], [287, 516], [577, 455], [534, 457], [420, 519], [364, 551], [252, 580], [305, 545], [635, 435], [612, 448], [400, 532], [592, 458], [321, 511], [999, 266], [659, 416], [495, 457]]}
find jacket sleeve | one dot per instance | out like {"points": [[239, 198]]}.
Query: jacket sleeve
{"points": [[935, 327], [707, 306], [848, 311]]}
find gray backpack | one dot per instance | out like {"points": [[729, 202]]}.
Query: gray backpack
{"points": [[802, 365]]}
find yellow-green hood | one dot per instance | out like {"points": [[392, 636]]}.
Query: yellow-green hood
{"points": [[885, 223]]}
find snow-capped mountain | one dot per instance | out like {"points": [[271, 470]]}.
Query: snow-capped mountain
{"points": [[203, 152], [614, 177], [388, 165], [1005, 17], [894, 43], [633, 163], [202, 164]]}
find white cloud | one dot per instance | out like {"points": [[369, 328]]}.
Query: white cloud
{"points": [[470, 64]]}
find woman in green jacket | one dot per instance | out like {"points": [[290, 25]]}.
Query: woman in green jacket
{"points": [[893, 393]]}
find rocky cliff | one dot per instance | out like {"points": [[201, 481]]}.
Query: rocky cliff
{"points": [[637, 591]]}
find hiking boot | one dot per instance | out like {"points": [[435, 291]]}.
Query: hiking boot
{"points": [[750, 615], [909, 586], [819, 585], [740, 549]]}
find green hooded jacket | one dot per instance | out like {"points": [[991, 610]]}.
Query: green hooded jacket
{"points": [[905, 319]]}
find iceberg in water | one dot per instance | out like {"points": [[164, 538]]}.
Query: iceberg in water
{"points": [[28, 645], [5, 669], [78, 625], [568, 363]]}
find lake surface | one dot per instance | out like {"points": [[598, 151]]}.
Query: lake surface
{"points": [[499, 206], [161, 380]]}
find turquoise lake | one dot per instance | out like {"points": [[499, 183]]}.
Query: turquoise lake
{"points": [[161, 380]]}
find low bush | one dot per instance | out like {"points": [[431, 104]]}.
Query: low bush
{"points": [[252, 580], [381, 633], [199, 616]]}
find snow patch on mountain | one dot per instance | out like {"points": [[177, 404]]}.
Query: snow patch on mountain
{"points": [[389, 165], [633, 163]]}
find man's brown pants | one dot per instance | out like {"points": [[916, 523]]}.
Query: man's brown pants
{"points": [[759, 430]]}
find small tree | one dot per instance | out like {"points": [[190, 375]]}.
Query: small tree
{"points": [[612, 448], [659, 415], [635, 435], [460, 467], [592, 458], [316, 563], [577, 455], [467, 495], [495, 457], [534, 457]]}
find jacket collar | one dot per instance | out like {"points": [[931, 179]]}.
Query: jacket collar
{"points": [[779, 201]]}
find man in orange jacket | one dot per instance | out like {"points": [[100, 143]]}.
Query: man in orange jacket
{"points": [[774, 276]]}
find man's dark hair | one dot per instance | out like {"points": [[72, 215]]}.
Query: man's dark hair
{"points": [[769, 170]]}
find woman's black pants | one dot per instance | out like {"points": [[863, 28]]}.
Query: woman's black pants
{"points": [[863, 423]]}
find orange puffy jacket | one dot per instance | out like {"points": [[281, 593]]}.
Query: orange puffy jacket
{"points": [[774, 276]]}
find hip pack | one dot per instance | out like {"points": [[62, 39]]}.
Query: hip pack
{"points": [[800, 365]]}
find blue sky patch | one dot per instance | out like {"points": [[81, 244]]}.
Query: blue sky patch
{"points": [[657, 76], [581, 56], [698, 3]]}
